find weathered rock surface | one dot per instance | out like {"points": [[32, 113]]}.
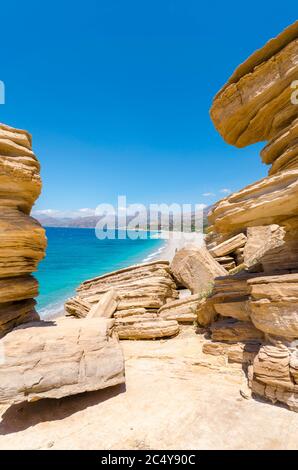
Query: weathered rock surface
{"points": [[233, 331], [22, 239], [255, 105], [43, 361], [145, 327], [230, 245], [133, 296], [196, 269], [202, 386], [270, 200], [106, 306], [274, 305], [272, 375], [183, 310]]}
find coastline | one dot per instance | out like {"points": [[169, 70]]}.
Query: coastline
{"points": [[173, 241]]}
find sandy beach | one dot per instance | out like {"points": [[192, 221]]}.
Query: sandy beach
{"points": [[177, 240]]}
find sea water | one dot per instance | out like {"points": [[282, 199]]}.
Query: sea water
{"points": [[75, 254]]}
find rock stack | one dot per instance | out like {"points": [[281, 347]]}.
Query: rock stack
{"points": [[22, 239], [137, 294], [259, 300]]}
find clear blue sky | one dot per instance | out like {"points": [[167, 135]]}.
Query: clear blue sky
{"points": [[117, 94]]}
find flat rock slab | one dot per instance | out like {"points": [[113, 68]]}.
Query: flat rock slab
{"points": [[176, 397], [42, 360]]}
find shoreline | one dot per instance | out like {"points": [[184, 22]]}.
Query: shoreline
{"points": [[173, 241]]}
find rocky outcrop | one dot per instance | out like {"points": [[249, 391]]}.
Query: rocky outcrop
{"points": [[261, 291], [183, 310], [22, 239], [52, 361], [141, 291], [195, 269]]}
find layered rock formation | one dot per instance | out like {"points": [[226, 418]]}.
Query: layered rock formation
{"points": [[255, 105], [22, 239], [141, 291], [53, 361]]}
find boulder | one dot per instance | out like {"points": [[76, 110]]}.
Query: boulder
{"points": [[146, 286], [106, 306], [270, 200], [228, 246], [145, 327], [274, 305], [196, 269], [272, 377], [183, 310], [42, 360], [232, 331]]}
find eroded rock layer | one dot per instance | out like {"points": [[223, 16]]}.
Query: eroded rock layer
{"points": [[55, 360], [259, 297], [22, 239], [136, 294]]}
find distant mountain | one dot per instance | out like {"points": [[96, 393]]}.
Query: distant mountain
{"points": [[91, 221]]}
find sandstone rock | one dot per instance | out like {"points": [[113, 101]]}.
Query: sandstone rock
{"points": [[146, 286], [196, 269], [230, 245], [280, 142], [272, 378], [272, 247], [130, 312], [239, 309], [74, 356], [145, 328], [15, 313], [274, 305], [22, 239], [242, 353], [183, 310], [233, 331], [106, 306], [205, 312], [256, 104], [269, 201]]}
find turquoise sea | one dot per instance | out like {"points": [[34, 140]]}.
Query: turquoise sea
{"points": [[75, 254]]}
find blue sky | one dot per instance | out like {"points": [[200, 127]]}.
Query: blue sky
{"points": [[117, 95]]}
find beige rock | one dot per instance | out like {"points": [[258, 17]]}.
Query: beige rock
{"points": [[272, 378], [241, 353], [205, 312], [274, 305], [228, 246], [268, 201], [196, 269], [233, 331], [256, 104], [272, 247], [106, 306], [146, 286], [239, 309], [145, 328], [183, 310], [74, 356]]}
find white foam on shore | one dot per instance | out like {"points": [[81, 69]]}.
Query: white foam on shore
{"points": [[52, 311], [155, 254]]}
